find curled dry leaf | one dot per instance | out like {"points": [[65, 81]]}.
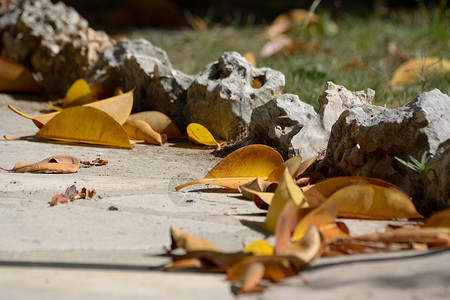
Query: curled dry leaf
{"points": [[369, 201], [309, 247], [419, 69], [285, 226], [118, 107], [182, 239], [201, 135], [63, 164], [206, 260], [84, 124], [159, 122], [141, 130], [14, 77], [79, 93], [241, 166], [72, 194], [259, 247], [291, 165], [96, 162], [439, 219], [257, 185], [286, 190], [261, 199], [251, 277]]}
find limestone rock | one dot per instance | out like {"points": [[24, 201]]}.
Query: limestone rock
{"points": [[313, 137], [277, 121], [439, 191], [52, 40], [225, 93], [141, 65], [366, 140]]}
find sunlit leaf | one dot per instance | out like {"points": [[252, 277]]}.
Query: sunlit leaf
{"points": [[320, 216], [286, 190], [308, 247], [369, 201], [118, 107], [324, 189], [182, 239], [160, 123], [16, 78], [63, 164], [141, 130], [261, 199], [259, 247], [419, 69], [291, 165], [84, 124], [257, 185], [241, 166], [201, 135], [285, 226], [439, 219], [79, 93], [251, 277]]}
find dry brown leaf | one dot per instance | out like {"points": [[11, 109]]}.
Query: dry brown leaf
{"points": [[261, 199], [369, 201], [251, 277], [438, 237], [160, 123], [309, 247], [72, 194], [63, 164], [141, 130], [241, 166], [206, 260], [439, 219], [285, 226], [284, 22], [182, 239], [286, 190], [14, 77]]}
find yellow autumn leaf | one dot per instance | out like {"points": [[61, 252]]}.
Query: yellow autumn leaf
{"points": [[241, 166], [141, 130], [439, 219], [286, 190], [419, 69], [201, 135], [291, 165], [369, 201], [159, 122], [84, 124], [259, 247], [79, 93], [14, 77], [118, 107], [258, 185]]}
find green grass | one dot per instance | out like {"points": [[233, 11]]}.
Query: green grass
{"points": [[363, 39]]}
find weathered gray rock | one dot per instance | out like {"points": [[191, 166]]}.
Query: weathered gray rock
{"points": [[222, 98], [277, 121], [313, 137], [366, 140], [52, 40], [141, 65], [439, 192]]}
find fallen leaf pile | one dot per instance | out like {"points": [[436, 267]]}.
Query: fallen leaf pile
{"points": [[303, 216], [72, 194]]}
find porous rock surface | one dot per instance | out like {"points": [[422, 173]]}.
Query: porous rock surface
{"points": [[365, 140], [277, 121], [141, 65], [52, 40], [312, 139], [225, 93]]}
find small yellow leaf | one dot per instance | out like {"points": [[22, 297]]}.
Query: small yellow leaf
{"points": [[419, 69], [14, 77], [141, 130], [200, 135], [79, 93], [369, 201], [439, 219], [259, 247], [84, 124], [160, 123], [241, 166], [250, 57], [286, 190]]}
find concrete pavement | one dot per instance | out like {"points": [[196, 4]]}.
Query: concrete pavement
{"points": [[86, 250]]}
